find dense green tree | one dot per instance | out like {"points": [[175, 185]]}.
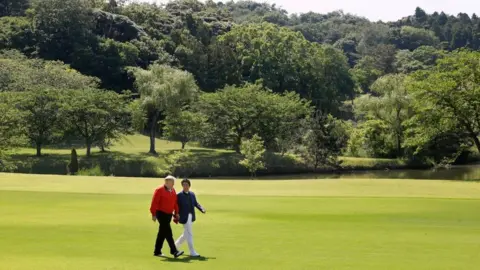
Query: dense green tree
{"points": [[253, 152], [18, 73], [238, 112], [13, 7], [452, 90], [423, 57], [11, 128], [96, 115], [323, 141], [389, 107], [185, 126], [163, 90], [17, 33], [41, 116], [283, 60]]}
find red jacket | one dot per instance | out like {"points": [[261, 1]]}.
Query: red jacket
{"points": [[164, 201]]}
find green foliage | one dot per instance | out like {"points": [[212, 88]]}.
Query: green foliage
{"points": [[18, 73], [253, 152], [163, 90], [179, 161], [185, 126], [412, 38], [390, 107], [238, 112], [16, 33], [283, 60], [42, 116], [95, 171], [447, 97], [11, 129], [13, 7], [96, 116], [323, 142], [73, 165]]}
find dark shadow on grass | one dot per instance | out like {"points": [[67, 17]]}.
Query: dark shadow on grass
{"points": [[188, 259]]}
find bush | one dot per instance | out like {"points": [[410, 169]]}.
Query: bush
{"points": [[73, 165], [95, 171]]}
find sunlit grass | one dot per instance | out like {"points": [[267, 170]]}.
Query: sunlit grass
{"points": [[72, 222]]}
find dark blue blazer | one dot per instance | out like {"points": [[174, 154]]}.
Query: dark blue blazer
{"points": [[183, 211]]}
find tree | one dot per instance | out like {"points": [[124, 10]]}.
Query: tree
{"points": [[324, 140], [390, 106], [42, 116], [238, 112], [163, 90], [96, 115], [283, 60], [253, 152], [62, 27], [73, 165], [185, 126], [11, 128], [18, 73], [13, 7], [451, 89], [412, 38]]}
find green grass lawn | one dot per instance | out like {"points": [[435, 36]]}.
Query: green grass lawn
{"points": [[59, 222]]}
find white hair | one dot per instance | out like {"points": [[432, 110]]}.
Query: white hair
{"points": [[170, 177]]}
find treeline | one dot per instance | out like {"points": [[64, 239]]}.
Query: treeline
{"points": [[318, 85]]}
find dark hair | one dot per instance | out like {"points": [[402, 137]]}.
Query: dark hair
{"points": [[186, 181]]}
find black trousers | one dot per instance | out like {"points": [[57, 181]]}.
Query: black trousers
{"points": [[164, 233]]}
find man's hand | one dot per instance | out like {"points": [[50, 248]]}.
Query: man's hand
{"points": [[154, 218], [177, 216]]}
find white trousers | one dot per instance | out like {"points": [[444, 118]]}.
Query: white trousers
{"points": [[187, 235]]}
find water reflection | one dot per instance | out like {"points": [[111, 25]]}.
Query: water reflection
{"points": [[460, 173]]}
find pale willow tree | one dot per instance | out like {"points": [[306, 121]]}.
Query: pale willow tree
{"points": [[390, 106], [253, 152], [163, 90]]}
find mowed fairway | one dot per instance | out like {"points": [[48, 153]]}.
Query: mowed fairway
{"points": [[59, 222]]}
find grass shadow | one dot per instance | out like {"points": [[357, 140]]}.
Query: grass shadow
{"points": [[188, 259]]}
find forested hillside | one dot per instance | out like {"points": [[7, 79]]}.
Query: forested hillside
{"points": [[313, 85]]}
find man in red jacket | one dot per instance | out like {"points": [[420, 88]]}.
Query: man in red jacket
{"points": [[164, 204]]}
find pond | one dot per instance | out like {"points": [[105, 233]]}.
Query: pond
{"points": [[459, 173]]}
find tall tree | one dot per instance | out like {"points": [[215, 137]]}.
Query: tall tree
{"points": [[391, 106], [162, 89], [238, 112], [96, 115], [452, 88], [42, 116]]}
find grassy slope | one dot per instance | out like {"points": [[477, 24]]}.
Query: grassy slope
{"points": [[58, 222], [129, 158]]}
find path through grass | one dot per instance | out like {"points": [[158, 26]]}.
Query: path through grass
{"points": [[57, 222]]}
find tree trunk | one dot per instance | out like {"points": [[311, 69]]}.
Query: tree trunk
{"points": [[89, 149], [238, 143], [102, 148], [153, 132], [477, 142], [183, 145], [39, 149]]}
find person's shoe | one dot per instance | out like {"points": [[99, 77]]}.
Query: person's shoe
{"points": [[178, 254], [195, 255], [159, 255]]}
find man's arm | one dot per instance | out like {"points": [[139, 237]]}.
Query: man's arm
{"points": [[197, 204], [177, 214], [155, 201]]}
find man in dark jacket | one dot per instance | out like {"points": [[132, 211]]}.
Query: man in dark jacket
{"points": [[187, 201], [164, 204]]}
